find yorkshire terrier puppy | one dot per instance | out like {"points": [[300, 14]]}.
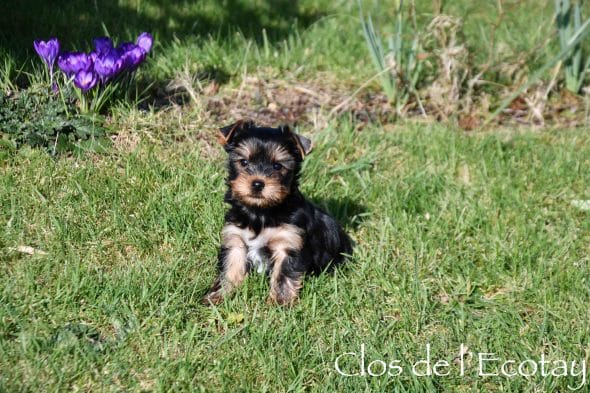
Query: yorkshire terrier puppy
{"points": [[270, 227]]}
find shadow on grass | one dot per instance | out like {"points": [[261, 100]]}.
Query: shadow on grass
{"points": [[349, 213], [76, 22]]}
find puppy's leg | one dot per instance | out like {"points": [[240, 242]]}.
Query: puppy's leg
{"points": [[285, 279], [287, 270], [232, 262]]}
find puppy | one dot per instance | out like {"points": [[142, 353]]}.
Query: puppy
{"points": [[270, 227]]}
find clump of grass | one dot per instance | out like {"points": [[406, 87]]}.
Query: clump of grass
{"points": [[569, 23], [7, 73], [454, 82], [446, 92], [568, 47], [399, 63]]}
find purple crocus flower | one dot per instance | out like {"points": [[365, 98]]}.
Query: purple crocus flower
{"points": [[85, 80], [131, 55], [48, 51], [73, 62], [145, 41], [103, 45], [108, 65], [126, 46], [122, 49], [93, 56]]}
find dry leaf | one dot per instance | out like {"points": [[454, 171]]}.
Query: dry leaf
{"points": [[28, 250], [443, 298], [463, 174]]}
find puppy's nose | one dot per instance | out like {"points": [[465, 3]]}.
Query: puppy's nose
{"points": [[257, 185]]}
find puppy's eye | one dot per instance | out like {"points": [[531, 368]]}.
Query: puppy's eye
{"points": [[244, 162], [277, 167]]}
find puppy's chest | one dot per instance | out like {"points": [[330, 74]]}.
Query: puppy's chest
{"points": [[258, 253], [269, 245]]}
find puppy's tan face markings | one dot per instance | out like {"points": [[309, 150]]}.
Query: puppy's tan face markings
{"points": [[280, 155], [268, 163], [248, 150], [272, 194], [245, 150]]}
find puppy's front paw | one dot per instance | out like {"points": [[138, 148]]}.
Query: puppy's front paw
{"points": [[284, 290], [213, 298], [215, 294], [281, 300]]}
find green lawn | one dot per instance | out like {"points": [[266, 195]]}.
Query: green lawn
{"points": [[474, 238], [300, 38], [460, 239]]}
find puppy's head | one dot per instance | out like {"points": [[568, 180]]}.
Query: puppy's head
{"points": [[263, 162]]}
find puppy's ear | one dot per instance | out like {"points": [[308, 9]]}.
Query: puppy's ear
{"points": [[303, 144], [226, 134]]}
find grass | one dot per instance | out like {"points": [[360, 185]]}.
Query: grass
{"points": [[460, 240], [307, 37], [461, 237]]}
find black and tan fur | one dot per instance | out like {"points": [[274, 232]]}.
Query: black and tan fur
{"points": [[270, 226]]}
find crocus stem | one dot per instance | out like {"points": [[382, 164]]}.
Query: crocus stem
{"points": [[128, 80], [63, 100], [83, 102]]}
